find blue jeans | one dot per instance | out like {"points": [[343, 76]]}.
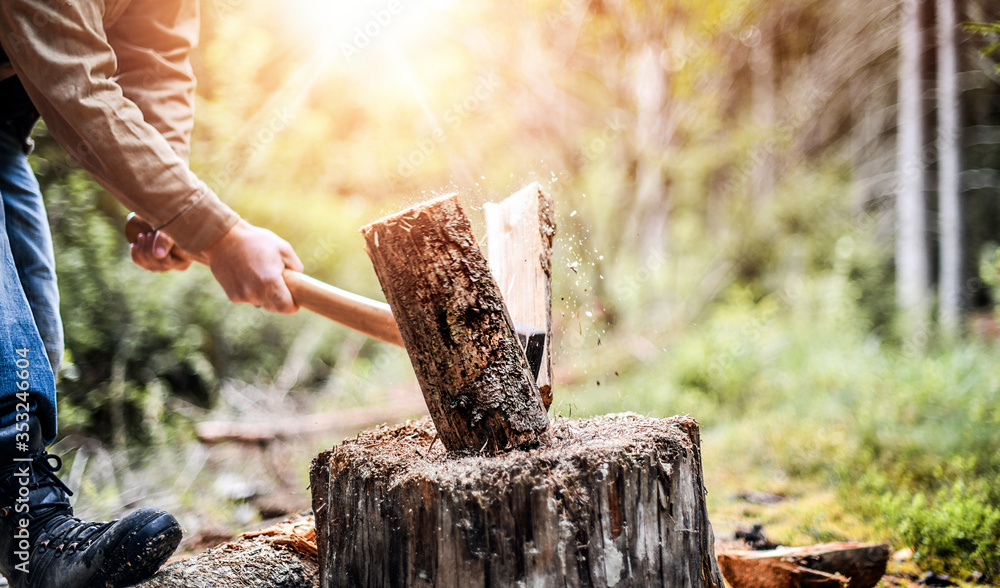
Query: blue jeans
{"points": [[31, 335]]}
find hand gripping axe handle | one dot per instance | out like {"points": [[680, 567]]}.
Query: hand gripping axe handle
{"points": [[371, 317], [364, 315]]}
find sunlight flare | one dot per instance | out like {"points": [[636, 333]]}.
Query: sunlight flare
{"points": [[350, 30]]}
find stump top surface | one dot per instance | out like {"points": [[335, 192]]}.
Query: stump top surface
{"points": [[410, 450]]}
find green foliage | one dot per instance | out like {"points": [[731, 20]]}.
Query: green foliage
{"points": [[715, 255], [955, 529], [990, 30], [135, 338], [805, 383], [989, 269]]}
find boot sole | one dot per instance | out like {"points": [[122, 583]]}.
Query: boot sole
{"points": [[140, 553]]}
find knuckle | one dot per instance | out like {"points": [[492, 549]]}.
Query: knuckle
{"points": [[237, 295], [277, 296]]}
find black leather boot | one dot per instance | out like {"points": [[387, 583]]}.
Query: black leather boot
{"points": [[42, 545]]}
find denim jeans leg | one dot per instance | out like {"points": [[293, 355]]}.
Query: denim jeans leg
{"points": [[31, 245], [22, 352]]}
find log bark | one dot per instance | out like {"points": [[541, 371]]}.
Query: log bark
{"points": [[617, 500], [283, 556], [472, 371], [519, 234], [828, 565]]}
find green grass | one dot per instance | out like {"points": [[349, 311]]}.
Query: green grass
{"points": [[799, 396]]}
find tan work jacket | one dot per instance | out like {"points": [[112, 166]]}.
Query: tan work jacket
{"points": [[113, 81]]}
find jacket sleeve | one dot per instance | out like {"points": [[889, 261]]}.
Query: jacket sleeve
{"points": [[153, 41], [66, 63]]}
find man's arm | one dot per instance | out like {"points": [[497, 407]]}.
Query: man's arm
{"points": [[62, 56], [153, 40]]}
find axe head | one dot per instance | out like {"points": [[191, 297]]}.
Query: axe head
{"points": [[533, 343]]}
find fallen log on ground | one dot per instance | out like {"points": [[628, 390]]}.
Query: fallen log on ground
{"points": [[616, 500], [311, 425], [282, 556], [828, 565]]}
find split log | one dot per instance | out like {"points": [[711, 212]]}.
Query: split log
{"points": [[519, 234], [828, 565], [763, 573], [283, 556], [616, 500], [460, 339]]}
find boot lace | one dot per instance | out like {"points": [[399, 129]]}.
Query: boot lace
{"points": [[45, 466], [42, 467]]}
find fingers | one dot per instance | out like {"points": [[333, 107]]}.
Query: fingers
{"points": [[162, 244], [249, 263], [279, 298], [152, 251], [273, 294], [291, 260], [265, 290]]}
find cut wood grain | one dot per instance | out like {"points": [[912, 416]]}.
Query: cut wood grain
{"points": [[774, 573], [472, 371], [616, 500], [519, 234], [851, 565]]}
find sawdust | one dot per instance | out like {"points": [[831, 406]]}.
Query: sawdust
{"points": [[408, 451]]}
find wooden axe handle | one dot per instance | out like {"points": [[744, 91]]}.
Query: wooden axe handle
{"points": [[356, 312]]}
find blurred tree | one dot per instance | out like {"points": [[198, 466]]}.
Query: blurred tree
{"points": [[937, 161], [912, 256], [949, 170], [692, 145]]}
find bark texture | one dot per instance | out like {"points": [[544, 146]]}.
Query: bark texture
{"points": [[519, 232], [461, 341], [283, 556], [616, 500]]}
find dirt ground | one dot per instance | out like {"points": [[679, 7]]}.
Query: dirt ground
{"points": [[222, 489]]}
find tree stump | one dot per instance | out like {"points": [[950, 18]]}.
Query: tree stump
{"points": [[461, 342], [616, 500]]}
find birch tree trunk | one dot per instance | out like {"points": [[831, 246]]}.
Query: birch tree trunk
{"points": [[949, 171], [912, 273]]}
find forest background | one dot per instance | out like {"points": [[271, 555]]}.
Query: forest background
{"points": [[778, 217]]}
